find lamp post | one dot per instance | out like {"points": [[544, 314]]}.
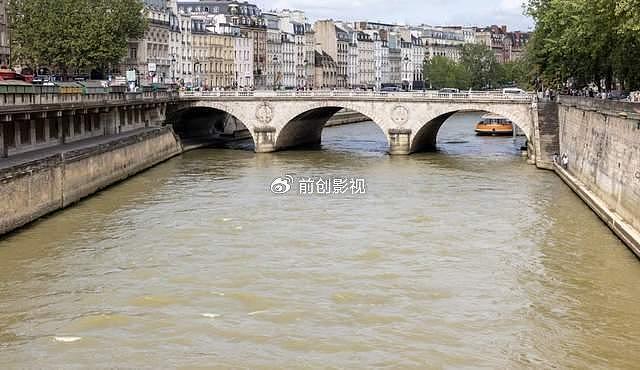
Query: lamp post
{"points": [[275, 73], [406, 67], [173, 68], [196, 72], [304, 73]]}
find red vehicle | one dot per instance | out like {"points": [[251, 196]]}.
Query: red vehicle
{"points": [[7, 74]]}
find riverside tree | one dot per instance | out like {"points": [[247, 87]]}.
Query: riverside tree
{"points": [[441, 72], [478, 69], [595, 41], [481, 65], [74, 35]]}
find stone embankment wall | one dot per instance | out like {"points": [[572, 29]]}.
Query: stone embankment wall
{"points": [[602, 142], [34, 189], [345, 117], [547, 134]]}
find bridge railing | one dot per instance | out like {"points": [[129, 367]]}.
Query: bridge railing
{"points": [[10, 101], [426, 95]]}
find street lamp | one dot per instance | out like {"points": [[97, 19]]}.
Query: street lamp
{"points": [[304, 73], [173, 68], [406, 67], [275, 72], [196, 72]]}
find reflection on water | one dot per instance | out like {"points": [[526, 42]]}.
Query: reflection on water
{"points": [[467, 257]]}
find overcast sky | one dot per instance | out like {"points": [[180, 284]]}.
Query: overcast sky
{"points": [[432, 12]]}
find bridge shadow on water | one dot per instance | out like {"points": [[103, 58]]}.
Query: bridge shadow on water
{"points": [[456, 139], [457, 143]]}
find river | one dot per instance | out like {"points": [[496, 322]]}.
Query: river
{"points": [[465, 258]]}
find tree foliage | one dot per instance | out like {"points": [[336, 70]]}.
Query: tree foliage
{"points": [[73, 35], [442, 72], [518, 73], [478, 69], [482, 66], [586, 41]]}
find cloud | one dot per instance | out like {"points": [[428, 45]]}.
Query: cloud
{"points": [[435, 12]]}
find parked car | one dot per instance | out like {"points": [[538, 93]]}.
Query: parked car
{"points": [[391, 89], [617, 95], [41, 79], [513, 91], [449, 90]]}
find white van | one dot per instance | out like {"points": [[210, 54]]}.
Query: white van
{"points": [[449, 90], [513, 91]]}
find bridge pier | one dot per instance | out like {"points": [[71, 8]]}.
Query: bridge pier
{"points": [[399, 141], [265, 139]]}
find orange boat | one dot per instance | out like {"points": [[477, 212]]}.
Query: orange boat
{"points": [[494, 126]]}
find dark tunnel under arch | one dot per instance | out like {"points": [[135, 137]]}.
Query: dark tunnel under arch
{"points": [[305, 129], [204, 123]]}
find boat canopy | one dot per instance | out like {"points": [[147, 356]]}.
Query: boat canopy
{"points": [[494, 118]]}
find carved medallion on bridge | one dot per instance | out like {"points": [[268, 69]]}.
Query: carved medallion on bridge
{"points": [[264, 113], [400, 115]]}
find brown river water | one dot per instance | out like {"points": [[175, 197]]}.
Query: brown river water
{"points": [[465, 258]]}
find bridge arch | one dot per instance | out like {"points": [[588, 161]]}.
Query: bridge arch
{"points": [[187, 119], [425, 132], [303, 125]]}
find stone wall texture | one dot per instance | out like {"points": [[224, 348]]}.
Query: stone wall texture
{"points": [[602, 142], [34, 189]]}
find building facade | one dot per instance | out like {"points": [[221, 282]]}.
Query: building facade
{"points": [[326, 37], [206, 44], [5, 51], [301, 55], [342, 44], [381, 57], [325, 70], [493, 38], [287, 61], [442, 42], [274, 50], [406, 64], [246, 16], [366, 61], [150, 56], [310, 56], [418, 56], [243, 60], [294, 22], [395, 66], [514, 45], [203, 54]]}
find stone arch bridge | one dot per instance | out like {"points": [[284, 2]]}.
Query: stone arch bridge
{"points": [[410, 120]]}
